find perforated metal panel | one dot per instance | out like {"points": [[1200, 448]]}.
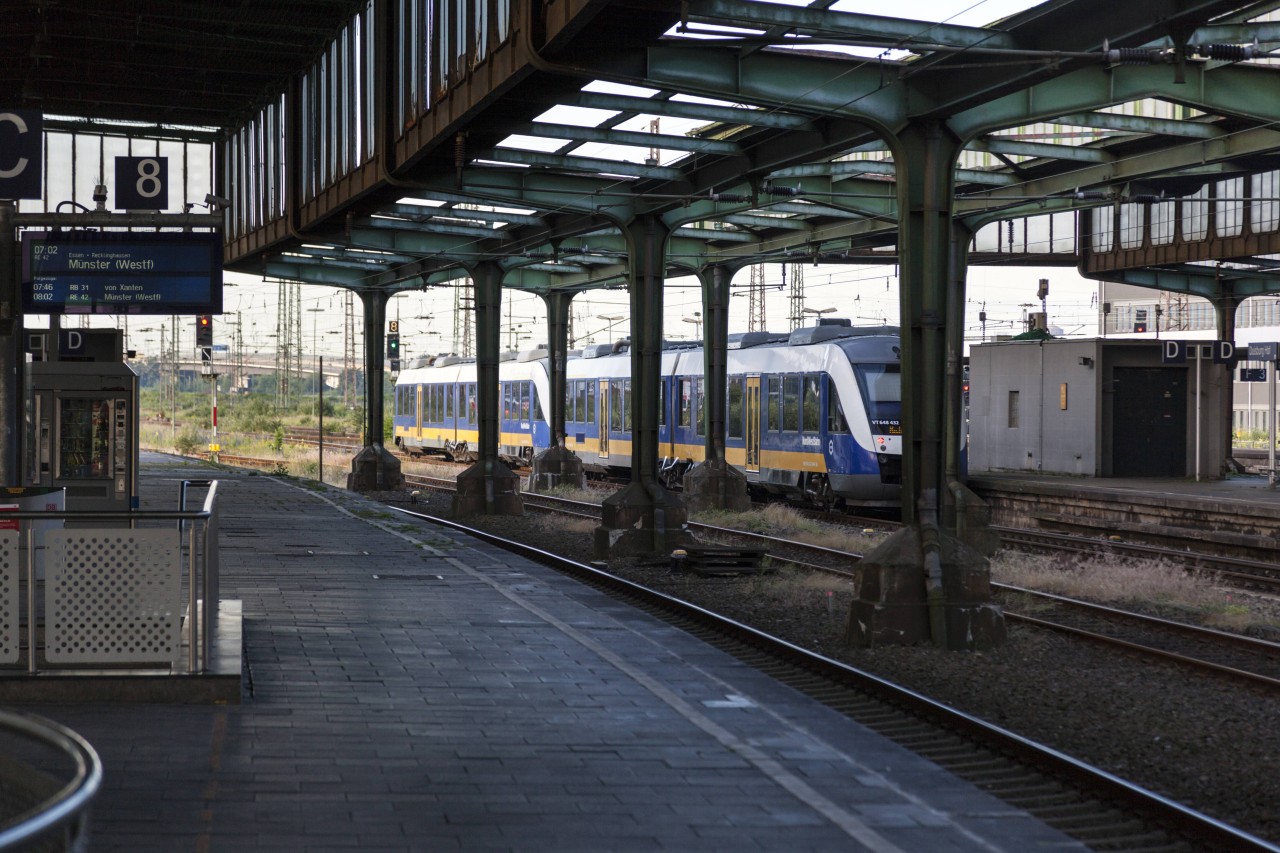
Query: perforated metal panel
{"points": [[112, 596], [9, 630]]}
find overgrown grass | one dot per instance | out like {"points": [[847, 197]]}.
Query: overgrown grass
{"points": [[788, 523], [1137, 583]]}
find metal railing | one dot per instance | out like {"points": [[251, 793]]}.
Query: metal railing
{"points": [[33, 808], [201, 557]]}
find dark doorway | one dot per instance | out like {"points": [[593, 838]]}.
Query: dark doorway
{"points": [[1149, 426]]}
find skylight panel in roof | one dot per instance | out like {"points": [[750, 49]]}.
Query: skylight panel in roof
{"points": [[578, 116], [534, 143]]}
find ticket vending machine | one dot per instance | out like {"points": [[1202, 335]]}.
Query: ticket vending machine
{"points": [[81, 424]]}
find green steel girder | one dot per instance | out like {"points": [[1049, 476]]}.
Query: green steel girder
{"points": [[1064, 26], [539, 190], [797, 83], [1048, 151], [1141, 124], [434, 228], [590, 165], [426, 212], [774, 118], [1262, 33], [898, 32], [886, 167], [315, 273], [1197, 281], [1233, 90], [632, 138], [1177, 160], [416, 242]]}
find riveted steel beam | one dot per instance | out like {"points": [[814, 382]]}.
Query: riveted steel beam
{"points": [[900, 32], [593, 165], [633, 138], [1020, 148], [793, 82], [691, 110], [1237, 90]]}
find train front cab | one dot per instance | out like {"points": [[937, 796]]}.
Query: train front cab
{"points": [[790, 435], [522, 428]]}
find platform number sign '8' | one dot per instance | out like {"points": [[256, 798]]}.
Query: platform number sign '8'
{"points": [[142, 183]]}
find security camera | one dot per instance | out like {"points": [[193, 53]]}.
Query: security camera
{"points": [[216, 202]]}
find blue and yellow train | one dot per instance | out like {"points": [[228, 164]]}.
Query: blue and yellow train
{"points": [[814, 415]]}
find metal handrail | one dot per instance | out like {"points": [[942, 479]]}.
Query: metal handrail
{"points": [[71, 803], [198, 647]]}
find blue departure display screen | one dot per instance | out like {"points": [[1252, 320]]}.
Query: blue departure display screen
{"points": [[105, 272]]}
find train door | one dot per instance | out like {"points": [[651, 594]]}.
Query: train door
{"points": [[418, 391], [753, 423], [603, 420]]}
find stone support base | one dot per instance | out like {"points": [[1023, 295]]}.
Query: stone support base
{"points": [[556, 466], [970, 517], [893, 606], [715, 485], [637, 521], [374, 469], [494, 493]]}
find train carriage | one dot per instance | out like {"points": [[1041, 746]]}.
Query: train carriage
{"points": [[814, 415], [435, 408]]}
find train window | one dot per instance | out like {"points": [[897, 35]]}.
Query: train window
{"points": [[626, 404], [835, 411], [615, 406], [698, 422], [537, 404], [448, 403], [524, 400], [811, 403], [734, 414], [686, 402], [662, 403], [791, 403], [775, 403], [573, 412], [471, 403], [591, 402]]}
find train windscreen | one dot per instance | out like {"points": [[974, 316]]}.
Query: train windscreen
{"points": [[881, 386]]}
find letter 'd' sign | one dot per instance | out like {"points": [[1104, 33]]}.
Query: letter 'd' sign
{"points": [[1173, 352]]}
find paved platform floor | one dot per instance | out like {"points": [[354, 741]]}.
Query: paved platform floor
{"points": [[407, 688]]}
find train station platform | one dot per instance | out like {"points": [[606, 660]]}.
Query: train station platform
{"points": [[1240, 512], [408, 688]]}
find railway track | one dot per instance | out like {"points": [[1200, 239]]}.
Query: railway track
{"points": [[1088, 803]]}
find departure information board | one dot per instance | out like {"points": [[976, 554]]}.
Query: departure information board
{"points": [[119, 272]]}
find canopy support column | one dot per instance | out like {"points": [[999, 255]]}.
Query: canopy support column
{"points": [[923, 583], [713, 483], [488, 487], [557, 465], [643, 517], [374, 468]]}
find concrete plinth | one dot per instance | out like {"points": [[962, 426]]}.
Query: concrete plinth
{"points": [[891, 603], [495, 492], [970, 517], [556, 466], [374, 469], [715, 485], [639, 520]]}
